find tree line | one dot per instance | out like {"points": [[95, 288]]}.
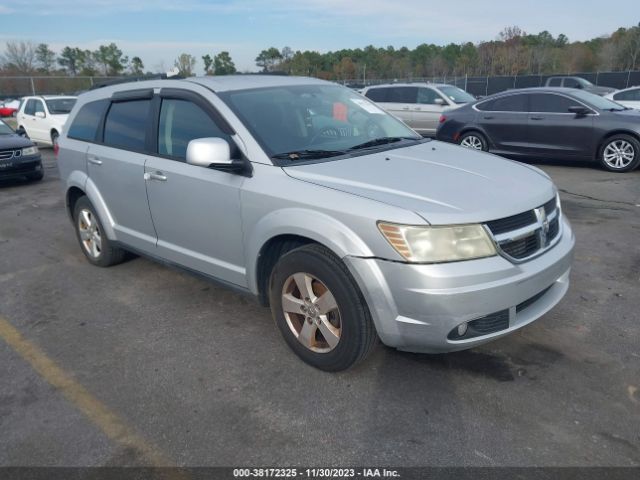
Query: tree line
{"points": [[27, 58], [513, 52]]}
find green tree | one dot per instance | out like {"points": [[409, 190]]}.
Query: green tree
{"points": [[208, 64], [110, 59], [223, 65], [268, 59], [45, 57], [136, 66], [71, 60], [185, 64]]}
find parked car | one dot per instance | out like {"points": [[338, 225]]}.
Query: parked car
{"points": [[8, 108], [43, 117], [19, 157], [578, 83], [310, 197], [555, 123], [629, 97], [419, 105]]}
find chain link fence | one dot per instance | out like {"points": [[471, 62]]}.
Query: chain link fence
{"points": [[15, 87], [483, 86]]}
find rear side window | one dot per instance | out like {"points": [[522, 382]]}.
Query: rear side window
{"points": [[629, 95], [555, 82], [126, 124], [377, 94], [549, 103], [86, 122], [403, 95], [182, 121], [509, 103]]}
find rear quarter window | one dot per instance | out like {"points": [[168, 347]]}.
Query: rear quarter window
{"points": [[86, 122]]}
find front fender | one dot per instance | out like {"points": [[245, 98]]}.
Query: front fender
{"points": [[303, 222]]}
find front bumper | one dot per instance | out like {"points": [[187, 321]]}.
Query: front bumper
{"points": [[416, 307], [22, 167]]}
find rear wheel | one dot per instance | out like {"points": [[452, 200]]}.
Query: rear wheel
{"points": [[54, 139], [95, 245], [474, 141], [319, 309], [620, 153]]}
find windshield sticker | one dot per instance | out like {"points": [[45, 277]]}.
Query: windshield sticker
{"points": [[368, 106]]}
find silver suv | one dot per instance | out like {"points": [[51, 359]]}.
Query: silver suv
{"points": [[419, 105], [310, 197]]}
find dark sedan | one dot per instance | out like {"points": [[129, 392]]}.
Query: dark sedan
{"points": [[19, 157], [548, 123]]}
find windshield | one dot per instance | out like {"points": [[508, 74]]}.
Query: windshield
{"points": [[597, 101], [5, 129], [457, 95], [60, 105], [583, 82], [318, 119]]}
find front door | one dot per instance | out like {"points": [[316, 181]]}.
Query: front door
{"points": [[195, 210]]}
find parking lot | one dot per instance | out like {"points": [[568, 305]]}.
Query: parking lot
{"points": [[140, 364]]}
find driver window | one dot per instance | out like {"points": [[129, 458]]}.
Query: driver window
{"points": [[427, 96], [39, 107], [182, 121]]}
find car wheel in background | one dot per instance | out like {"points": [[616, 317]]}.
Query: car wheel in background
{"points": [[620, 153], [319, 309], [474, 141], [95, 245], [54, 139]]}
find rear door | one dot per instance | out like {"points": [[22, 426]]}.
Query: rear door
{"points": [[556, 132], [426, 112], [505, 121], [398, 101], [116, 167], [33, 124], [195, 210]]}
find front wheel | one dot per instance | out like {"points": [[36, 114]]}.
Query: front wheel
{"points": [[474, 141], [319, 309], [620, 153]]}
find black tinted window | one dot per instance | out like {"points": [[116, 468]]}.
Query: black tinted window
{"points": [[377, 94], [509, 103], [427, 96], [126, 124], [180, 122], [403, 95], [629, 95], [555, 82], [86, 122], [30, 107], [551, 103], [571, 83]]}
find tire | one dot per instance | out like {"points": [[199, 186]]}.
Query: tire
{"points": [[474, 141], [332, 341], [620, 153], [99, 250]]}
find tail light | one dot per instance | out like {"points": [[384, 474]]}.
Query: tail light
{"points": [[443, 119]]}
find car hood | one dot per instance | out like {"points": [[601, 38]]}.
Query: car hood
{"points": [[14, 141], [443, 183]]}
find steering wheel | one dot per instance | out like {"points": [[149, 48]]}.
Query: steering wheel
{"points": [[326, 132], [373, 130]]}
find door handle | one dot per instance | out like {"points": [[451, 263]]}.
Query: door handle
{"points": [[537, 118], [94, 160], [155, 176], [405, 108], [489, 117]]}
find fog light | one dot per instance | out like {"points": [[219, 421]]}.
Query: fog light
{"points": [[462, 329]]}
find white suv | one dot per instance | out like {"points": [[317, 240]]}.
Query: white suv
{"points": [[43, 117]]}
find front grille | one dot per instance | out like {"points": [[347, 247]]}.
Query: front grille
{"points": [[483, 326], [532, 230], [522, 248], [7, 154], [512, 223]]}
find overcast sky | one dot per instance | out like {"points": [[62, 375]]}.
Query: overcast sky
{"points": [[159, 30]]}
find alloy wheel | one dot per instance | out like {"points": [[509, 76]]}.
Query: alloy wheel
{"points": [[89, 233], [619, 154], [311, 312], [472, 142]]}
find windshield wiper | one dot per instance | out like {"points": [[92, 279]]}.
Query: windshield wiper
{"points": [[381, 141], [307, 154]]}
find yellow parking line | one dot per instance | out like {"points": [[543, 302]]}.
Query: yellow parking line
{"points": [[106, 420]]}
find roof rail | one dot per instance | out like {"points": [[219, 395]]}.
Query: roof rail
{"points": [[117, 81]]}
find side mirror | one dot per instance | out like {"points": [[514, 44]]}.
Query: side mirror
{"points": [[215, 153], [579, 111], [40, 114], [439, 101]]}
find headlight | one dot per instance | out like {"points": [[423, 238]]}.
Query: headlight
{"points": [[438, 244], [29, 151]]}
